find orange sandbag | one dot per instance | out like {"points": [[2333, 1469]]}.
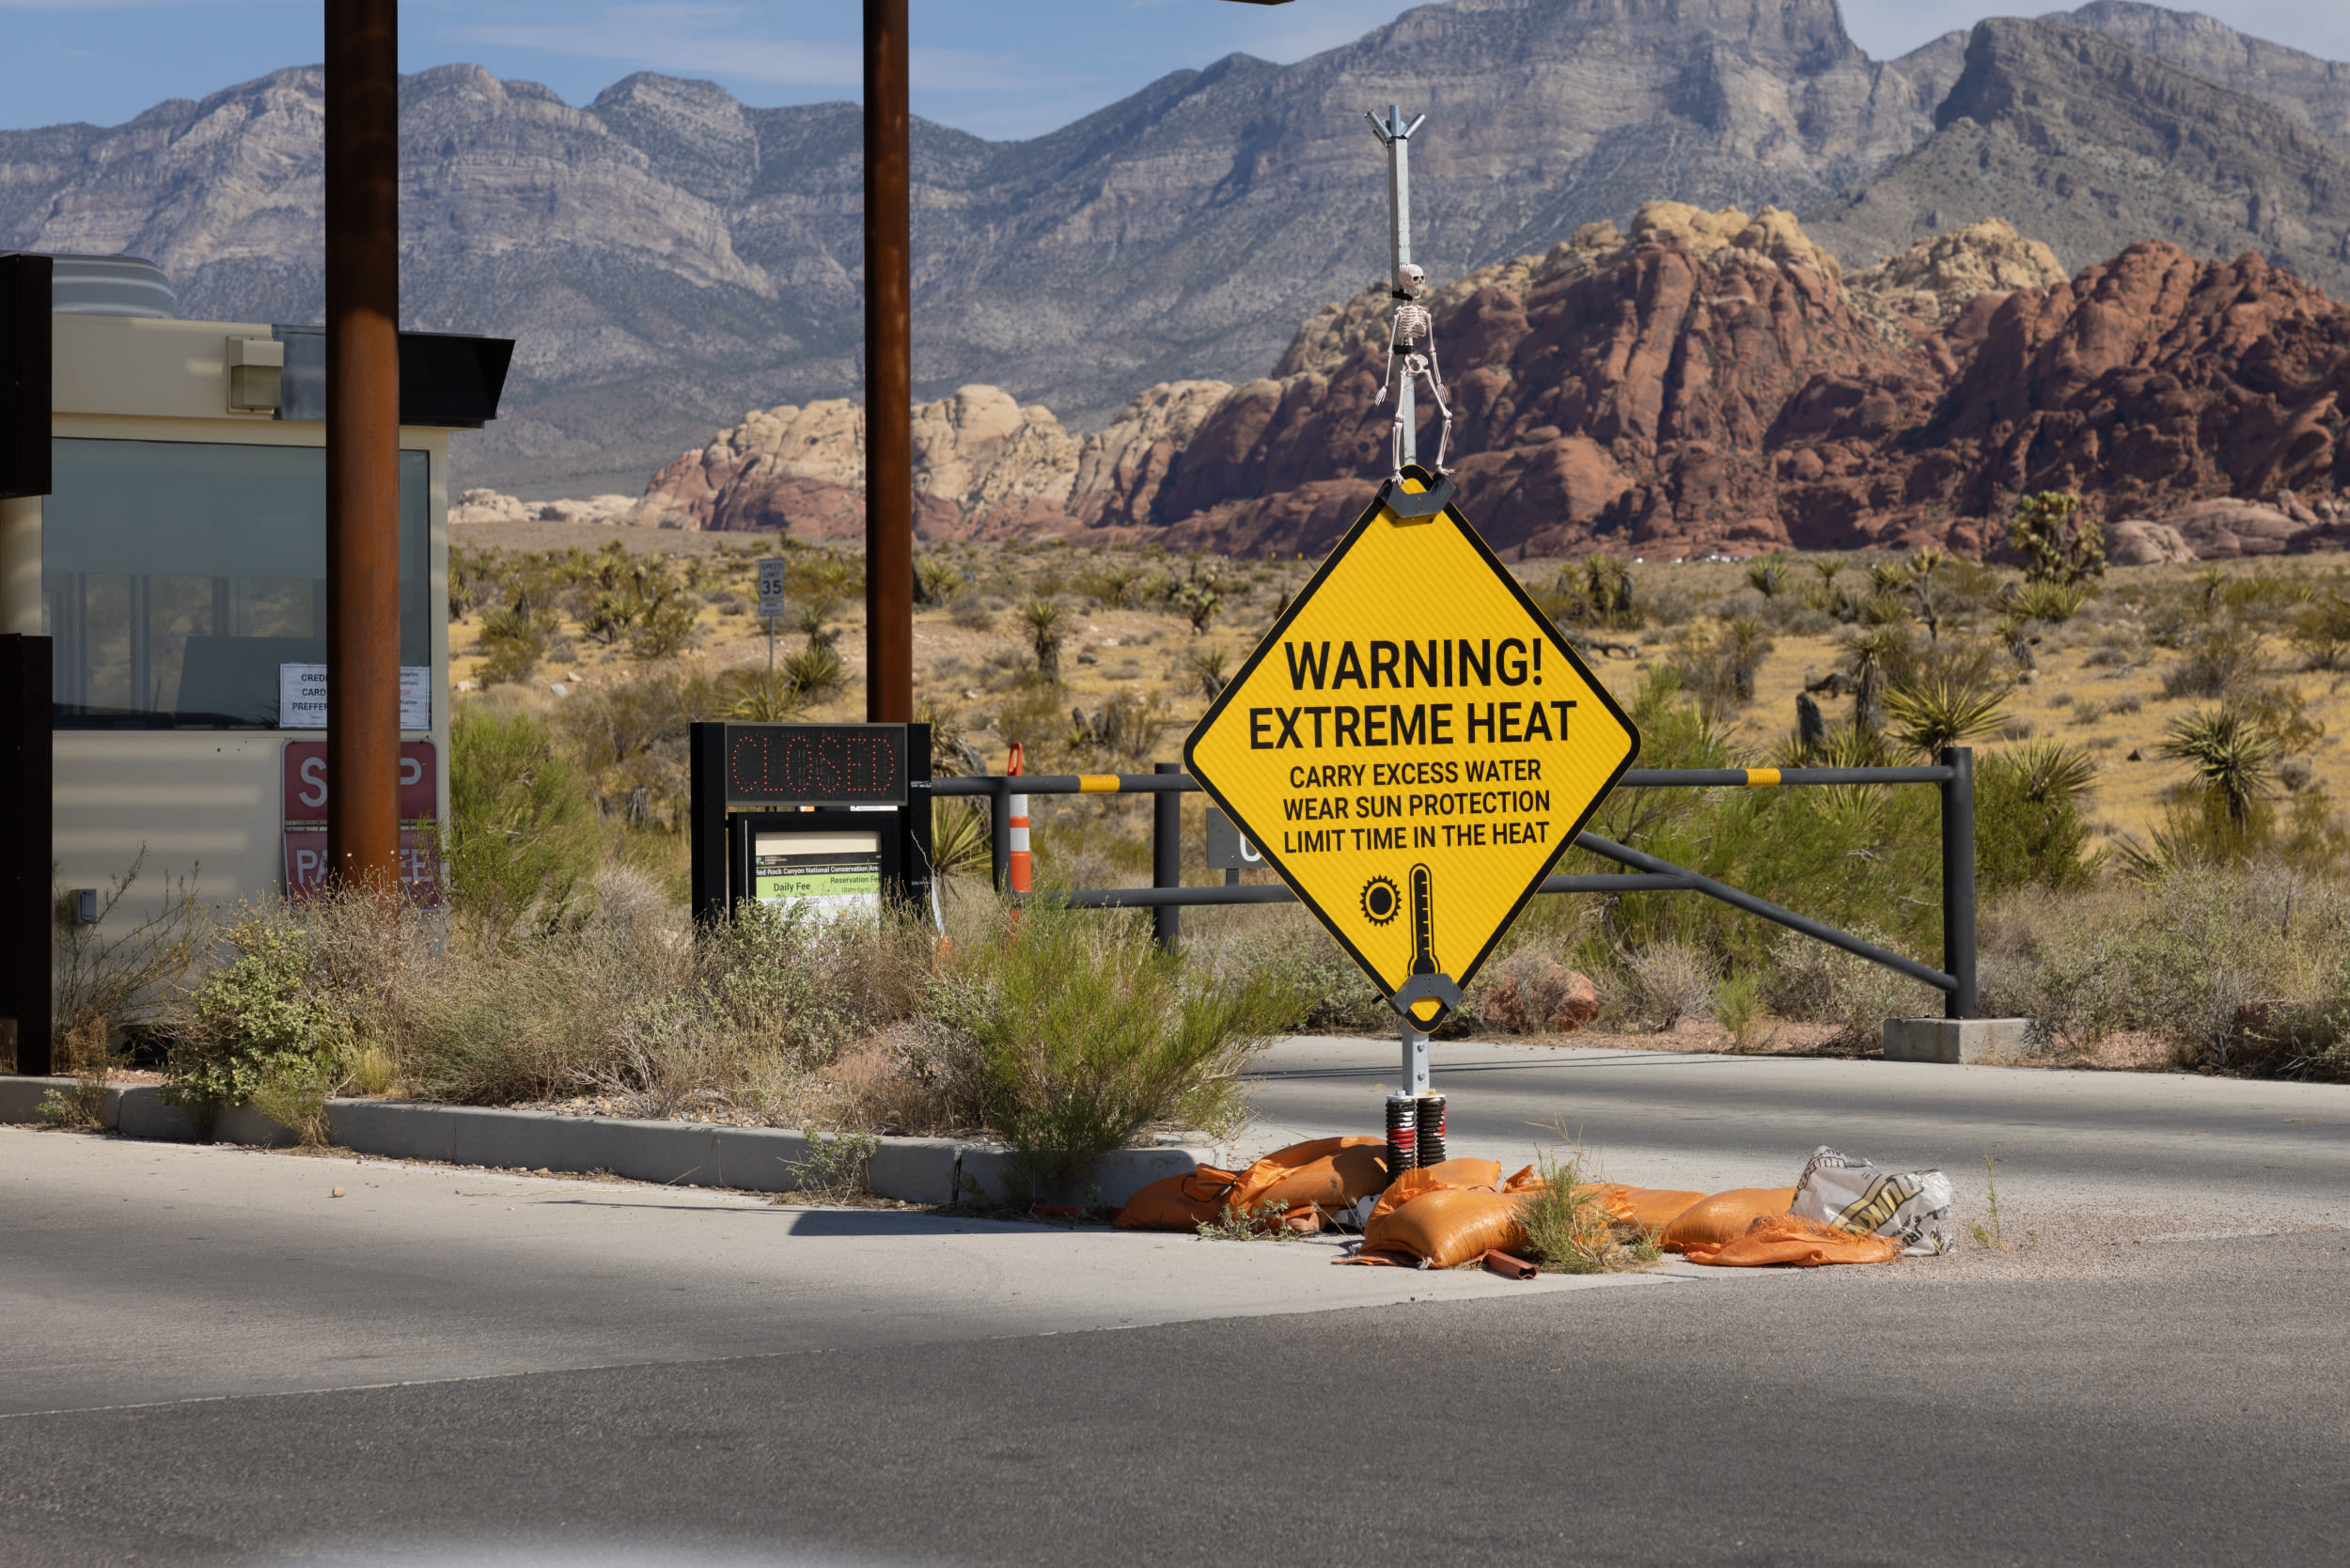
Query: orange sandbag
{"points": [[1650, 1208], [1724, 1216], [1789, 1241], [1450, 1226], [1328, 1173], [1451, 1174], [1179, 1203]]}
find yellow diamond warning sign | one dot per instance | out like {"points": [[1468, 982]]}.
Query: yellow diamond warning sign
{"points": [[1412, 745]]}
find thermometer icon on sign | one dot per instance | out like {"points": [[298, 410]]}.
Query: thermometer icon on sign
{"points": [[1424, 922]]}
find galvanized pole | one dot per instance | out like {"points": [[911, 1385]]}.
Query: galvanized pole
{"points": [[1397, 137], [1166, 858], [362, 442], [888, 370], [1958, 880]]}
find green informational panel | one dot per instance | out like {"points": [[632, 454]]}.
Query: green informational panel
{"points": [[828, 873]]}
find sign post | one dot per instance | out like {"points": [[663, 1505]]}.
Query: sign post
{"points": [[1410, 748], [1395, 134], [771, 583]]}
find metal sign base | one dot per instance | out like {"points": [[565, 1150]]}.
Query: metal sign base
{"points": [[1415, 1059]]}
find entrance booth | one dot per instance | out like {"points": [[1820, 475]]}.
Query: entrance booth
{"points": [[177, 564]]}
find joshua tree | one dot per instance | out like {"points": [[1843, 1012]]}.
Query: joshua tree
{"points": [[2058, 544], [1043, 617]]}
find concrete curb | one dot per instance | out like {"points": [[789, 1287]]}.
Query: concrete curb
{"points": [[682, 1153]]}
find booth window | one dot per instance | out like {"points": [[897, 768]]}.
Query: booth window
{"points": [[179, 576]]}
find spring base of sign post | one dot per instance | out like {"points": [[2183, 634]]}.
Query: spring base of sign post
{"points": [[1428, 1127], [1402, 1134]]}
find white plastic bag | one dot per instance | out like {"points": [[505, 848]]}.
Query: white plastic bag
{"points": [[1854, 1194]]}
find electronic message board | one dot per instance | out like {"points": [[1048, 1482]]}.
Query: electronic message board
{"points": [[814, 764]]}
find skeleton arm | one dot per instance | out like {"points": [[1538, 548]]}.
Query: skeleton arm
{"points": [[1395, 324], [1435, 373]]}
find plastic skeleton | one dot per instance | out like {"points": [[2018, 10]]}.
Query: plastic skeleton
{"points": [[1413, 322]]}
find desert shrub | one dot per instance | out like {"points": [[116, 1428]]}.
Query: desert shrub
{"points": [[2028, 817], [1660, 983], [1597, 592], [1527, 991], [1719, 670], [257, 1028], [2219, 661], [1089, 1034], [1290, 942], [522, 837], [1739, 1007], [2177, 958], [1812, 983], [2321, 628], [1841, 855], [1568, 1231], [513, 641], [624, 1004], [107, 983]]}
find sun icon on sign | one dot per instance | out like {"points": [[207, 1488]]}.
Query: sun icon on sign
{"points": [[1381, 900]]}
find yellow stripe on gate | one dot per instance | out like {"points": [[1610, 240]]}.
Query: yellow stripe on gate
{"points": [[1761, 776], [1097, 783]]}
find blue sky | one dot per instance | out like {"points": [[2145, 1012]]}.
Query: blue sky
{"points": [[1000, 67]]}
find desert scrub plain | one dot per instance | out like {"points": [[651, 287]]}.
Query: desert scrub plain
{"points": [[2161, 860]]}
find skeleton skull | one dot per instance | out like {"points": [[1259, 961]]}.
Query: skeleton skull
{"points": [[1410, 279]]}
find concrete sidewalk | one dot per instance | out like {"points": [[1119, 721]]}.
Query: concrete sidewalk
{"points": [[136, 1272]]}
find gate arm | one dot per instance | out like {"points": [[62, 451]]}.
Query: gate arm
{"points": [[1608, 849]]}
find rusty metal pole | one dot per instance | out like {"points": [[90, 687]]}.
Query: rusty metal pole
{"points": [[363, 441], [888, 370]]}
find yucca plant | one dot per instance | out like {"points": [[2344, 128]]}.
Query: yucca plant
{"points": [[1207, 663], [960, 844], [1931, 710], [765, 698], [1043, 617], [2045, 599], [814, 672], [1870, 656], [2028, 819], [936, 581], [1768, 577], [2233, 759]]}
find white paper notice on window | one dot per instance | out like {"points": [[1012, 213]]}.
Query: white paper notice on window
{"points": [[302, 696]]}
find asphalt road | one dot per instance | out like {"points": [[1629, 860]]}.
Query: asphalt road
{"points": [[205, 1357]]}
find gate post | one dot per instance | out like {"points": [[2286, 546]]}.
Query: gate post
{"points": [[1958, 879], [999, 834], [1166, 857]]}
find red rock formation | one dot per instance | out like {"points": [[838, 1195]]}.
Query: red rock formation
{"points": [[1671, 401]]}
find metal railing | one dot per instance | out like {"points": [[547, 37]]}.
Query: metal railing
{"points": [[1954, 774]]}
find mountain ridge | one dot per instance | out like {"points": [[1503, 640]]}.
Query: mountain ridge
{"points": [[668, 257]]}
